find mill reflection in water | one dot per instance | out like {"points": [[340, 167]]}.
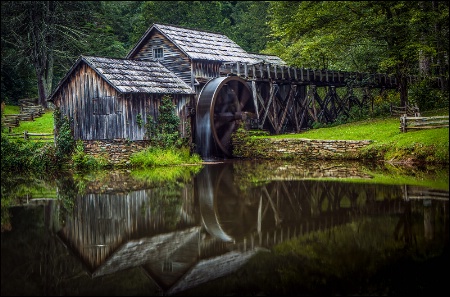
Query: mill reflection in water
{"points": [[185, 235]]}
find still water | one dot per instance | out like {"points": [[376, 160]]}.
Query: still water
{"points": [[228, 228]]}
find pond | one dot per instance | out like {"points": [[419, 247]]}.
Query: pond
{"points": [[228, 228]]}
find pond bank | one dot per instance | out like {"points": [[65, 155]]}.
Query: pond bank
{"points": [[253, 145], [300, 148]]}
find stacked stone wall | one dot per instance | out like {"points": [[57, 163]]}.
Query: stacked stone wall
{"points": [[299, 148], [119, 151], [116, 151]]}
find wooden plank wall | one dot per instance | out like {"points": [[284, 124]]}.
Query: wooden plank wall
{"points": [[99, 112], [206, 70]]}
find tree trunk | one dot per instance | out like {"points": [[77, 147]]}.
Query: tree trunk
{"points": [[403, 89], [42, 100]]}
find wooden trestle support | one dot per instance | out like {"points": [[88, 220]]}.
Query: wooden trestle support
{"points": [[278, 99], [291, 99]]}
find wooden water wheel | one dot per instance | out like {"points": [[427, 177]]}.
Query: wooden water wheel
{"points": [[223, 103]]}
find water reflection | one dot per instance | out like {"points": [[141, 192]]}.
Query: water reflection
{"points": [[186, 233]]}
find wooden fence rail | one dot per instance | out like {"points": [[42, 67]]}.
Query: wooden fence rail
{"points": [[407, 123], [402, 110], [32, 136]]}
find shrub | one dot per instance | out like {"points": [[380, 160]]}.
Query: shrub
{"points": [[165, 131], [64, 140], [83, 161], [27, 155]]}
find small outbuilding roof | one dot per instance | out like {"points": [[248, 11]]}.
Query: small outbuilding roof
{"points": [[132, 76], [199, 45]]}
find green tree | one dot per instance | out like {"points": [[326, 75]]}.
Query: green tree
{"points": [[366, 36], [40, 33], [250, 28], [42, 39]]}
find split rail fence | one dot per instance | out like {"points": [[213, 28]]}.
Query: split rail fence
{"points": [[33, 136], [419, 123], [402, 110]]}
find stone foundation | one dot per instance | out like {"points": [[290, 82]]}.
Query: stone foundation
{"points": [[298, 148], [117, 151]]}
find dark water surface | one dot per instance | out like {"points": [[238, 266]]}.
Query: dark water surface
{"points": [[228, 228]]}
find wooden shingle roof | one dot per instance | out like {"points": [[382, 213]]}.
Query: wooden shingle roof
{"points": [[200, 45], [131, 76]]}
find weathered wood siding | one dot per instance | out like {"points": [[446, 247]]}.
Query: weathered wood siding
{"points": [[98, 111], [206, 70], [174, 59]]}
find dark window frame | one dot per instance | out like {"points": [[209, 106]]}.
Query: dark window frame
{"points": [[158, 53]]}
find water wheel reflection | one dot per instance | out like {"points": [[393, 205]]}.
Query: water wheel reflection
{"points": [[227, 212]]}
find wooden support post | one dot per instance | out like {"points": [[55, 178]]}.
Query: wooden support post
{"points": [[255, 99], [403, 123], [192, 74]]}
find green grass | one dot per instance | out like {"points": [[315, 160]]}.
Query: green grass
{"points": [[154, 156], [42, 124], [429, 145], [11, 109], [379, 130]]}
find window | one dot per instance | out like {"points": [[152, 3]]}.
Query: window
{"points": [[167, 266], [158, 53]]}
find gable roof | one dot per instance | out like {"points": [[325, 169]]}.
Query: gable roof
{"points": [[132, 76], [199, 45]]}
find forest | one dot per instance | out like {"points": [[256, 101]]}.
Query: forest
{"points": [[42, 39]]}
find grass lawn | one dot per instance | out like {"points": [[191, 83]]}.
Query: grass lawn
{"points": [[42, 124], [11, 109], [386, 136], [382, 131]]}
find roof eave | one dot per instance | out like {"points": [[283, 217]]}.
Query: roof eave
{"points": [[61, 82], [80, 59], [102, 76], [138, 44]]}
